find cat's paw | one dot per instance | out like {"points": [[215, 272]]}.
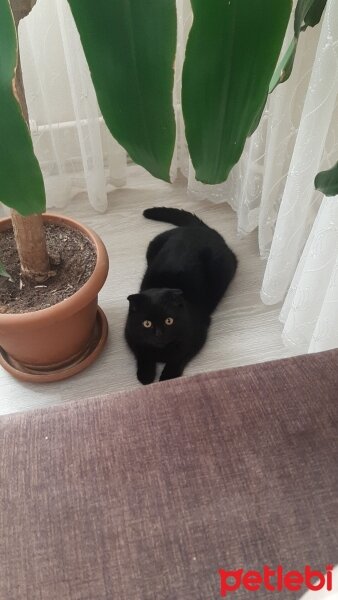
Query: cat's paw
{"points": [[171, 372], [146, 375]]}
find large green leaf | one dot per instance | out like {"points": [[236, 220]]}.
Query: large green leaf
{"points": [[258, 116], [284, 67], [327, 181], [21, 183], [302, 8], [231, 54], [314, 14], [308, 13], [130, 48]]}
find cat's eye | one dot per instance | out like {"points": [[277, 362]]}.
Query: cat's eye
{"points": [[147, 324], [169, 321]]}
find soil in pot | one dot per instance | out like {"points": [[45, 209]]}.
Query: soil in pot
{"points": [[73, 260]]}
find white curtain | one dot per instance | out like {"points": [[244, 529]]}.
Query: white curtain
{"points": [[271, 188], [75, 149], [304, 250]]}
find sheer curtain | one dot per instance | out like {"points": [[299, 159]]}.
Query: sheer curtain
{"points": [[74, 148], [271, 188], [304, 250]]}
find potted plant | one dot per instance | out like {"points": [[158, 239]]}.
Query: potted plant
{"points": [[229, 70], [41, 338]]}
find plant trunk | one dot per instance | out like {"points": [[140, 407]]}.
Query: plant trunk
{"points": [[29, 231], [31, 245]]}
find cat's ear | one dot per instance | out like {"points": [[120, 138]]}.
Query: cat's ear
{"points": [[135, 301], [177, 297]]}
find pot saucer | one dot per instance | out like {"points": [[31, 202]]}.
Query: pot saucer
{"points": [[94, 348]]}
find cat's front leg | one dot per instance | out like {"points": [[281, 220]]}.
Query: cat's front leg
{"points": [[146, 370], [172, 370]]}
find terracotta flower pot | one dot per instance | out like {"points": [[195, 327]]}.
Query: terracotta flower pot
{"points": [[59, 341]]}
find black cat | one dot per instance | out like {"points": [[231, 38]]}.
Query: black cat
{"points": [[189, 269]]}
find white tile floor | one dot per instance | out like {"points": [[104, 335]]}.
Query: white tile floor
{"points": [[243, 330]]}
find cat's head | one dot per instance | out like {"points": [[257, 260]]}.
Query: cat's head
{"points": [[157, 316]]}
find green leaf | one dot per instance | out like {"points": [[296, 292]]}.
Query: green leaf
{"points": [[327, 181], [130, 48], [303, 6], [231, 54], [258, 117], [314, 14], [284, 67], [21, 183], [308, 13], [3, 272]]}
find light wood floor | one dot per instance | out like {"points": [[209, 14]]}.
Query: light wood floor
{"points": [[243, 330]]}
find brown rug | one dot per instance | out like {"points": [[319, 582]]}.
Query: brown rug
{"points": [[147, 494]]}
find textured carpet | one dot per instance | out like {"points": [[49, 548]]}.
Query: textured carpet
{"points": [[145, 494]]}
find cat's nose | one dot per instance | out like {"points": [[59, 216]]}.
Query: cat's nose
{"points": [[158, 333]]}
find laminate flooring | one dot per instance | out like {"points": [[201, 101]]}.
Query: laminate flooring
{"points": [[243, 329]]}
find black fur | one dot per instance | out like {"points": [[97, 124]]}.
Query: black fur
{"points": [[189, 269]]}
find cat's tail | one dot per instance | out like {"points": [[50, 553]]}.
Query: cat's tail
{"points": [[175, 216]]}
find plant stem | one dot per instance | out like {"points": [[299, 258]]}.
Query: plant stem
{"points": [[29, 231], [31, 245]]}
